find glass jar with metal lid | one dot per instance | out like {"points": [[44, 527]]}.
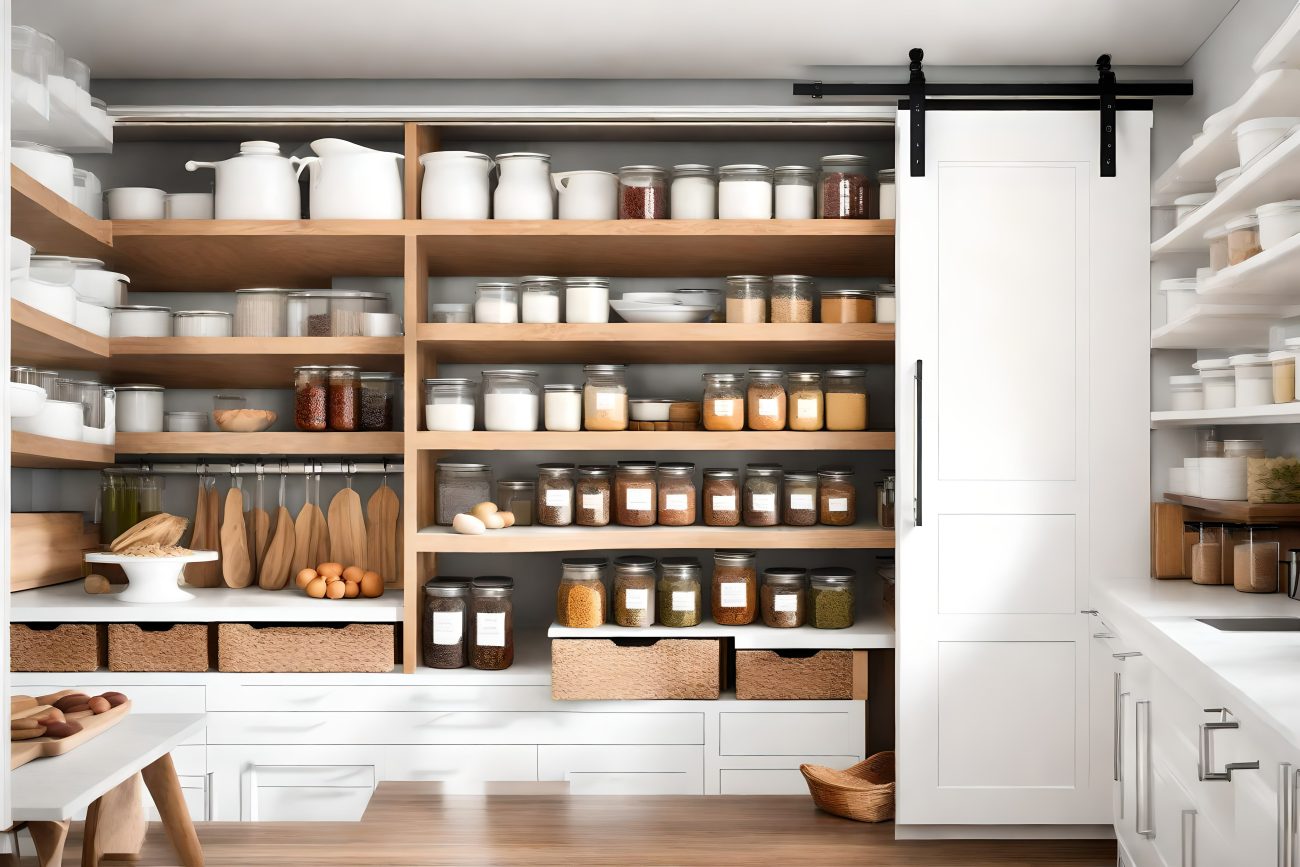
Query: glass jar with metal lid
{"points": [[140, 320], [555, 495], [449, 404], [744, 192], [761, 497], [261, 312], [642, 193], [694, 192], [724, 402], [562, 406], [510, 400], [586, 299], [332, 312], [830, 602], [344, 397], [634, 591], [580, 601], [592, 496], [846, 400], [311, 397], [848, 305], [735, 588], [676, 494], [492, 623], [721, 497], [886, 304], [88, 393], [885, 503], [519, 498], [496, 303], [678, 593], [539, 299], [799, 500], [446, 610], [845, 188], [792, 298], [635, 494], [139, 408], [201, 323], [806, 404], [796, 192], [837, 498], [378, 392], [604, 397], [460, 487], [747, 298], [765, 400], [185, 422], [781, 599]]}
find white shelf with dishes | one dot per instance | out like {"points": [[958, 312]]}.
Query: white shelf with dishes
{"points": [[1222, 326], [1272, 276], [1277, 413], [73, 125]]}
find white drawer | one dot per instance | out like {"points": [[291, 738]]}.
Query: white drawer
{"points": [[231, 696], [461, 767], [313, 775], [190, 760], [789, 734], [303, 804], [193, 789], [764, 781], [624, 770]]}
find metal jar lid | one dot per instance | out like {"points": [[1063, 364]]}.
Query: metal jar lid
{"points": [[734, 556], [634, 563], [492, 585], [785, 576], [594, 565], [680, 567], [447, 587]]}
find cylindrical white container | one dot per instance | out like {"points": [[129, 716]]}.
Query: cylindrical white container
{"points": [[694, 193], [186, 422], [1218, 383], [1185, 206], [795, 191], [52, 169], [510, 400], [135, 203], [1222, 478], [744, 192], [587, 195], [1185, 393], [1256, 136], [1225, 177], [87, 192], [139, 408], [1254, 380], [524, 190], [496, 303], [1282, 361], [449, 404], [1177, 480], [455, 185], [888, 194], [586, 299], [141, 321], [188, 206], [1180, 297], [562, 410], [886, 304], [201, 323], [539, 299], [1277, 222], [1192, 476]]}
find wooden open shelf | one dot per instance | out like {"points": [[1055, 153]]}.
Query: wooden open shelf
{"points": [[38, 452], [41, 340], [243, 362], [657, 441], [516, 540], [260, 444], [1237, 511], [627, 343], [51, 223]]}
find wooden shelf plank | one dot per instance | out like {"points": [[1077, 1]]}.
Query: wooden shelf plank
{"points": [[254, 444], [42, 340], [38, 452], [627, 343], [691, 441], [1237, 511], [535, 538], [251, 362], [51, 223]]}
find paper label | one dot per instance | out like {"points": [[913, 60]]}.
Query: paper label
{"points": [[806, 408], [636, 600], [491, 630], [801, 501], [557, 498], [607, 400], [724, 504], [785, 602], [723, 407], [593, 502], [447, 627], [638, 500], [675, 502], [838, 504], [683, 600], [763, 503], [767, 407], [732, 594]]}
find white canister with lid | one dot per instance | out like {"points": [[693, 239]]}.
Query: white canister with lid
{"points": [[587, 195], [1192, 476], [744, 192], [139, 408], [1222, 478], [1257, 136], [1185, 206], [1277, 222], [1218, 383], [586, 299], [138, 320], [694, 193], [1180, 297], [562, 407], [1254, 379], [47, 166], [524, 189], [455, 186], [1185, 393]]}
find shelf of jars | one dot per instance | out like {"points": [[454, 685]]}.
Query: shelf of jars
{"points": [[860, 536], [40, 452], [631, 440], [263, 443], [41, 340], [1272, 275], [252, 362], [51, 223]]}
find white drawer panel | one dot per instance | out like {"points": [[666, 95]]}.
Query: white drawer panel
{"points": [[304, 804], [191, 760], [765, 781], [789, 734], [326, 775], [230, 696], [632, 783], [193, 789], [462, 767], [624, 770]]}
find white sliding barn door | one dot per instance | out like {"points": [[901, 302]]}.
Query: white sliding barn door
{"points": [[1023, 289]]}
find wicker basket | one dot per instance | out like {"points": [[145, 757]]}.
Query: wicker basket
{"points": [[864, 792]]}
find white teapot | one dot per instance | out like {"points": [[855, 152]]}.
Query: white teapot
{"points": [[258, 184], [587, 195], [352, 182]]}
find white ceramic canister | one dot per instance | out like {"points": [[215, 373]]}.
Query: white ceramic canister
{"points": [[1222, 478], [353, 182], [1254, 378], [137, 320], [47, 166], [744, 192], [1177, 480], [201, 323], [562, 407], [694, 193], [586, 299], [587, 195], [256, 184], [135, 203], [1277, 222], [1185, 206], [1180, 297], [1218, 383], [1185, 393], [139, 408], [188, 206], [455, 185], [94, 285], [524, 189], [88, 194], [1254, 137]]}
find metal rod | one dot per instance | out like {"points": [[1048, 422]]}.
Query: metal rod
{"points": [[252, 468], [1042, 89]]}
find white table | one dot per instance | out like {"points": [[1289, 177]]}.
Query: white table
{"points": [[101, 777]]}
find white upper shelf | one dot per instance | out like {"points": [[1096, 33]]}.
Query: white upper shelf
{"points": [[1277, 413], [1273, 275], [1222, 326], [1283, 49]]}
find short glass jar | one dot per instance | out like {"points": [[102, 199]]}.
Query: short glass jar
{"points": [[635, 494], [182, 422], [1217, 242], [724, 402], [887, 195], [678, 593], [721, 497], [761, 497], [845, 188], [451, 312], [563, 407], [580, 601], [539, 300], [806, 404], [311, 397], [694, 193], [586, 299], [781, 599], [642, 193], [261, 312], [846, 400], [735, 588], [799, 500], [202, 323], [792, 298], [744, 192], [492, 623], [378, 392], [460, 487], [765, 400], [676, 494], [885, 503], [848, 305], [1243, 239], [795, 192], [604, 397], [331, 312], [344, 397], [886, 304], [747, 298], [496, 303], [519, 498], [634, 591], [830, 602], [592, 496], [837, 498], [446, 608], [449, 404], [555, 495], [510, 400]]}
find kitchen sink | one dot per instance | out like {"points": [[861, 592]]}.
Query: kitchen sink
{"points": [[1253, 624]]}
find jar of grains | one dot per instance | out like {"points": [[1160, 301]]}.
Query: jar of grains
{"points": [[694, 194], [1243, 239], [744, 192], [885, 503], [761, 496], [449, 404], [837, 499], [344, 397], [677, 594], [796, 192], [846, 400], [519, 498], [496, 303], [724, 402], [604, 397], [721, 497], [492, 623], [562, 409], [799, 501], [378, 390], [676, 495], [580, 598], [765, 400], [634, 587], [539, 299], [782, 597], [446, 604], [806, 403], [642, 193], [845, 188], [848, 305], [555, 495], [311, 397], [510, 400], [792, 298], [735, 588], [830, 602], [635, 494], [459, 488], [592, 496], [747, 298]]}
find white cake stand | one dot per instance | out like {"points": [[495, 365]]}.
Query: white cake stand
{"points": [[152, 580]]}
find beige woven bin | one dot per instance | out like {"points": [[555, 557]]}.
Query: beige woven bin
{"points": [[594, 669], [63, 647], [777, 675], [864, 792], [158, 647], [356, 647]]}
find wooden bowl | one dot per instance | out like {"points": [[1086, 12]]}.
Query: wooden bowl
{"points": [[243, 420]]}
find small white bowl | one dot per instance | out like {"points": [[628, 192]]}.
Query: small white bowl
{"points": [[135, 203], [652, 298], [381, 325], [670, 313], [649, 409], [93, 318], [25, 399], [188, 206], [60, 419]]}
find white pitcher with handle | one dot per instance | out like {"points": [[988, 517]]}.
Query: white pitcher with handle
{"points": [[587, 195], [258, 184], [524, 189], [352, 182], [455, 185]]}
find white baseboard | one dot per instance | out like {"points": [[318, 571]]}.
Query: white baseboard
{"points": [[1003, 832]]}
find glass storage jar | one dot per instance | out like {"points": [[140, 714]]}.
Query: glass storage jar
{"points": [[1256, 554], [510, 400], [1243, 239], [796, 192], [642, 193], [186, 422], [781, 599], [449, 404], [885, 503], [766, 400], [311, 397], [1283, 365], [85, 392], [848, 305], [519, 498], [459, 488], [761, 498], [1212, 555], [887, 195], [886, 304], [555, 495], [694, 193], [846, 400], [799, 500], [1243, 449], [261, 312], [332, 312], [678, 591], [635, 494], [721, 497], [201, 323], [492, 623], [378, 391], [724, 402], [562, 409], [806, 404], [830, 600], [1217, 241], [446, 605], [735, 588], [539, 299], [837, 498], [744, 192], [592, 496], [845, 189], [676, 494], [604, 397], [344, 397], [139, 408], [454, 312], [747, 298], [580, 598], [586, 299], [792, 298], [496, 303], [634, 590]]}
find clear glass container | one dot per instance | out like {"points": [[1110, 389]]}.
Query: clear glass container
{"points": [[1217, 241], [186, 422], [761, 497], [848, 305], [496, 303], [511, 399], [449, 404], [886, 195], [678, 593], [1243, 449], [492, 623], [592, 496], [1212, 556], [837, 498], [845, 188], [149, 496], [765, 400], [1256, 555], [799, 500], [378, 393], [604, 397], [886, 304], [1243, 239], [580, 601], [332, 312], [885, 503], [796, 192], [563, 407], [782, 598], [806, 404], [634, 591], [792, 298], [744, 192], [29, 62], [139, 408], [262, 312], [735, 588], [344, 397], [539, 299], [724, 402], [519, 498], [446, 609], [694, 193], [846, 400], [85, 392], [460, 487], [747, 298], [722, 496], [451, 312], [830, 602], [555, 495], [586, 299], [676, 494], [635, 494], [642, 193], [201, 323]]}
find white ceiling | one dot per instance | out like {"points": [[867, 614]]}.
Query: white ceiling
{"points": [[606, 39]]}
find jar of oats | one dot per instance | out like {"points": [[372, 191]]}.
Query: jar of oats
{"points": [[724, 402], [792, 298], [634, 591], [837, 498], [805, 403], [766, 400], [592, 496]]}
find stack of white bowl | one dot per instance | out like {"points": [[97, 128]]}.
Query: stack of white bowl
{"points": [[683, 305], [78, 291]]}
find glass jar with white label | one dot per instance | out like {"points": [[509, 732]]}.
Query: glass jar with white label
{"points": [[761, 498], [724, 402], [635, 494], [446, 604], [765, 401], [782, 597], [837, 497], [555, 495], [492, 623], [721, 496], [604, 397], [580, 598], [735, 588], [805, 404], [634, 591], [677, 594], [677, 495], [799, 500], [592, 496]]}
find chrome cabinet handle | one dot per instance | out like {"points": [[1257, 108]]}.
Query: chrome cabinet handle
{"points": [[207, 796], [1127, 654], [1285, 816], [1118, 723], [1103, 635], [1189, 839], [916, 499], [1205, 750], [1142, 781]]}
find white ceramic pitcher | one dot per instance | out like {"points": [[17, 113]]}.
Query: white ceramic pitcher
{"points": [[258, 184], [524, 189], [352, 182], [587, 195], [455, 185]]}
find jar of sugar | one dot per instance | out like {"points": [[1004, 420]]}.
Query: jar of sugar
{"points": [[694, 193], [744, 192], [586, 299], [539, 299], [796, 192], [510, 400], [496, 303]]}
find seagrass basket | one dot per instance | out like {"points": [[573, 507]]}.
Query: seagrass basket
{"points": [[864, 792]]}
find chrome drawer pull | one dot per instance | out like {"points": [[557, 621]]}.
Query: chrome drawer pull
{"points": [[1205, 750]]}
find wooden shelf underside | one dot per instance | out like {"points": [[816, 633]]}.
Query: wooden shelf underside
{"points": [[51, 223], [41, 340], [243, 362], [255, 444], [655, 441], [38, 452], [1237, 511], [531, 539]]}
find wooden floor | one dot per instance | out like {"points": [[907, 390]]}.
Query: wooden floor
{"points": [[406, 825]]}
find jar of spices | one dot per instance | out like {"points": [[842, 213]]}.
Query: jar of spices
{"points": [[724, 402], [761, 495], [799, 500], [261, 312], [721, 497], [586, 299], [792, 298], [344, 391], [642, 193], [830, 601], [311, 397], [635, 494], [496, 303], [555, 495], [519, 498], [747, 298], [845, 188], [887, 195], [449, 404], [539, 299], [837, 499], [676, 494], [563, 407], [604, 397], [885, 503], [378, 391], [782, 597], [694, 193], [460, 487], [846, 400], [806, 403], [592, 496], [766, 400], [744, 192], [886, 304], [580, 598], [446, 606], [510, 400], [735, 588], [1243, 239], [848, 305], [634, 588], [492, 623], [678, 591], [796, 192]]}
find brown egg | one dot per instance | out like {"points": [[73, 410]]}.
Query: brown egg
{"points": [[316, 589], [69, 701], [97, 584], [336, 589], [328, 569], [115, 698], [351, 590], [353, 573], [62, 730], [305, 577], [372, 585], [99, 704], [507, 519]]}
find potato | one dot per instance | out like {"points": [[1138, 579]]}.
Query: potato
{"points": [[69, 701], [494, 521], [336, 589], [316, 589], [97, 584], [115, 698], [468, 525], [305, 577], [372, 585], [328, 569], [99, 704], [507, 518], [353, 574], [62, 730], [482, 510], [351, 589]]}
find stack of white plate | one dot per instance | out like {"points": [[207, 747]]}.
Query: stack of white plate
{"points": [[687, 305]]}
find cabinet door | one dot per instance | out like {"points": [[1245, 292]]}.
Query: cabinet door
{"points": [[292, 783], [1023, 337]]}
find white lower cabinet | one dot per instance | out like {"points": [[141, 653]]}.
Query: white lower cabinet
{"points": [[624, 770], [292, 783]]}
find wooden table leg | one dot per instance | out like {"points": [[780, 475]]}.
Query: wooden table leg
{"points": [[160, 778], [49, 838], [115, 824]]}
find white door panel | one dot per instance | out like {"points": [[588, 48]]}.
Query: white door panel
{"points": [[976, 576]]}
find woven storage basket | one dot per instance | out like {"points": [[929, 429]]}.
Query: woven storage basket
{"points": [[47, 647], [158, 647], [864, 792]]}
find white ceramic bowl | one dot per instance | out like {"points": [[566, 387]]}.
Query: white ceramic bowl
{"points": [[25, 399], [93, 318], [651, 298], [676, 313], [1277, 222], [135, 203], [61, 419], [188, 206], [58, 301], [381, 325], [1254, 137], [105, 288], [649, 409]]}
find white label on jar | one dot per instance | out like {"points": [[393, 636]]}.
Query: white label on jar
{"points": [[447, 627], [636, 600], [838, 504], [675, 502], [724, 504], [801, 501], [593, 502], [683, 600], [638, 500], [723, 407], [767, 407], [732, 594], [491, 630], [607, 400], [558, 498], [807, 408], [763, 503], [785, 602]]}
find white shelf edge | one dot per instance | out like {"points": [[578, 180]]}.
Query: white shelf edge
{"points": [[1282, 50], [871, 631], [1284, 258], [1278, 413]]}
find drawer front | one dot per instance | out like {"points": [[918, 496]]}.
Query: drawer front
{"points": [[624, 770], [190, 760], [244, 777], [233, 696], [461, 768], [789, 734], [764, 781], [309, 804]]}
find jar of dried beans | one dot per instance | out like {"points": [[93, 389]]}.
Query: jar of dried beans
{"points": [[885, 503], [766, 400], [678, 591], [806, 404], [747, 298], [830, 602], [344, 397], [604, 397], [446, 603], [735, 588], [762, 495], [782, 597], [724, 402], [799, 501], [492, 623], [792, 298], [519, 498], [846, 400], [845, 188], [634, 590], [676, 494], [592, 496], [721, 497], [580, 598], [311, 397], [377, 394], [642, 193], [837, 497], [555, 495], [635, 497]]}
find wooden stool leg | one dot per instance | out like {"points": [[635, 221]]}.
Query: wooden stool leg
{"points": [[160, 778], [115, 824], [49, 838]]}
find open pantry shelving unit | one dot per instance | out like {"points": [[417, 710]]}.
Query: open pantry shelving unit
{"points": [[225, 255]]}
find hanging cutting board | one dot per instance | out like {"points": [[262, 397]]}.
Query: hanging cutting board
{"points": [[22, 752], [273, 572], [347, 529], [381, 532], [235, 566], [207, 537]]}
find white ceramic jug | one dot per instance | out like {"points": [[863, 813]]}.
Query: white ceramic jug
{"points": [[351, 182], [524, 189], [258, 184], [455, 185], [587, 195]]}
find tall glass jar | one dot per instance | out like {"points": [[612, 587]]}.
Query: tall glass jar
{"points": [[592, 496], [492, 623], [519, 498], [446, 608], [744, 192], [635, 494], [747, 298], [261, 312], [378, 392], [344, 397], [724, 402], [676, 494], [799, 501], [634, 591], [887, 197], [496, 303], [766, 400], [642, 193], [806, 405], [735, 588], [792, 298], [510, 400], [694, 193], [796, 192], [721, 497], [846, 400], [449, 404], [460, 487], [885, 503], [782, 597], [586, 299], [580, 598], [837, 498], [678, 591], [761, 498], [604, 397], [539, 299], [845, 188], [830, 603], [555, 495]]}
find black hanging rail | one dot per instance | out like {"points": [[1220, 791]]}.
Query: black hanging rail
{"points": [[1105, 95]]}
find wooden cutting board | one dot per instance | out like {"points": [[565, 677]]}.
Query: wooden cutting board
{"points": [[381, 533], [46, 548], [207, 537], [347, 527], [22, 752]]}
